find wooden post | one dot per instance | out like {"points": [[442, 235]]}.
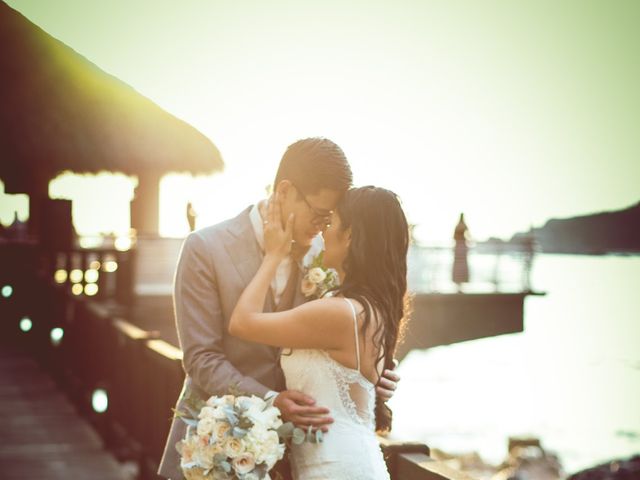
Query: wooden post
{"points": [[145, 207], [38, 191]]}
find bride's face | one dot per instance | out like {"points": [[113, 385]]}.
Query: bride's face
{"points": [[336, 243]]}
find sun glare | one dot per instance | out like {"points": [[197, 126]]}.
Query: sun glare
{"points": [[100, 202], [12, 205]]}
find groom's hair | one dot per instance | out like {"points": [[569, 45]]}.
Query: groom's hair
{"points": [[313, 164]]}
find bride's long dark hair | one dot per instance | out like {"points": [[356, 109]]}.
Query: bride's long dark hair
{"points": [[375, 270]]}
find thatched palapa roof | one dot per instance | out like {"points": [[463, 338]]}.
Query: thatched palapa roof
{"points": [[59, 111]]}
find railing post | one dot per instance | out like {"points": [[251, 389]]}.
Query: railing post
{"points": [[124, 277], [167, 359], [392, 449], [130, 394]]}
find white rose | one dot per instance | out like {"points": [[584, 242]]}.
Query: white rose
{"points": [[185, 449], [220, 430], [244, 463], [272, 415], [247, 403], [205, 426], [265, 445], [188, 446], [251, 476], [316, 275], [256, 437], [194, 473], [219, 413], [203, 458], [206, 412], [271, 458], [221, 401], [268, 418], [233, 447], [215, 448], [203, 440], [308, 287], [271, 442]]}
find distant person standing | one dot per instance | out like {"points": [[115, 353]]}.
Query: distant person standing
{"points": [[460, 271], [529, 245], [191, 217]]}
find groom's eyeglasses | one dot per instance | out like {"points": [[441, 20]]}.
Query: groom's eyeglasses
{"points": [[321, 218]]}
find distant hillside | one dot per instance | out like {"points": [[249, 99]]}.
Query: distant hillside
{"points": [[607, 232]]}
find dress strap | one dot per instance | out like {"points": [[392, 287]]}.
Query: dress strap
{"points": [[355, 329]]}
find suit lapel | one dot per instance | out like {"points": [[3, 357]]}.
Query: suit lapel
{"points": [[242, 246]]}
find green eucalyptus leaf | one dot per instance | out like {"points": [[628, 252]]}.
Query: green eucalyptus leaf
{"points": [[226, 466], [310, 437], [234, 390], [190, 421], [286, 430], [232, 418], [298, 436], [239, 432]]}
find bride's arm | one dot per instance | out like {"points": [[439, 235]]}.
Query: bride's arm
{"points": [[323, 324], [318, 324]]}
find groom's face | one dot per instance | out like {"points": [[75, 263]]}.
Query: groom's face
{"points": [[312, 211]]}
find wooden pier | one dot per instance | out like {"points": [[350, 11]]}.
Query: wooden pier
{"points": [[446, 318], [42, 435]]}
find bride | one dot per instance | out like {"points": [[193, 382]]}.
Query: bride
{"points": [[341, 343]]}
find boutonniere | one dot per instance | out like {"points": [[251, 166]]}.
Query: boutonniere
{"points": [[317, 279]]}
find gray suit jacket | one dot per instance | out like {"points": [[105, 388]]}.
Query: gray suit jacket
{"points": [[215, 265]]}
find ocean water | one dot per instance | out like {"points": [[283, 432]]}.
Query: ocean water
{"points": [[572, 378]]}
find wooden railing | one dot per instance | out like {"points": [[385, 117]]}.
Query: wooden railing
{"points": [[492, 268], [104, 273]]}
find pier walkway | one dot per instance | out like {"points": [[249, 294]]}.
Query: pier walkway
{"points": [[41, 435]]}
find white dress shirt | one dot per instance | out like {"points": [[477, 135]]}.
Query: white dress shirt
{"points": [[283, 271]]}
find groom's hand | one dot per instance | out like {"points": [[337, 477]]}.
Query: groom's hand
{"points": [[387, 385], [301, 410]]}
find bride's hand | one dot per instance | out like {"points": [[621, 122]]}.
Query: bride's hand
{"points": [[277, 240]]}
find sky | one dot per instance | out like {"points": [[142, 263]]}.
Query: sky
{"points": [[511, 112]]}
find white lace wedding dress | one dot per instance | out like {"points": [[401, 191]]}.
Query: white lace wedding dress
{"points": [[350, 450]]}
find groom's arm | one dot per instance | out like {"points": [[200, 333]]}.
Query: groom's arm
{"points": [[200, 324]]}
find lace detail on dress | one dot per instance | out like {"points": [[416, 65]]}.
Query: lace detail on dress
{"points": [[348, 382], [350, 451]]}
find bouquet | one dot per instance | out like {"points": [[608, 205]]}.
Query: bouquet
{"points": [[235, 437]]}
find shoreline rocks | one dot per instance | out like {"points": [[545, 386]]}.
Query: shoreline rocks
{"points": [[628, 469]]}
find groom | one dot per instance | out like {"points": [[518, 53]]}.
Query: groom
{"points": [[215, 266]]}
